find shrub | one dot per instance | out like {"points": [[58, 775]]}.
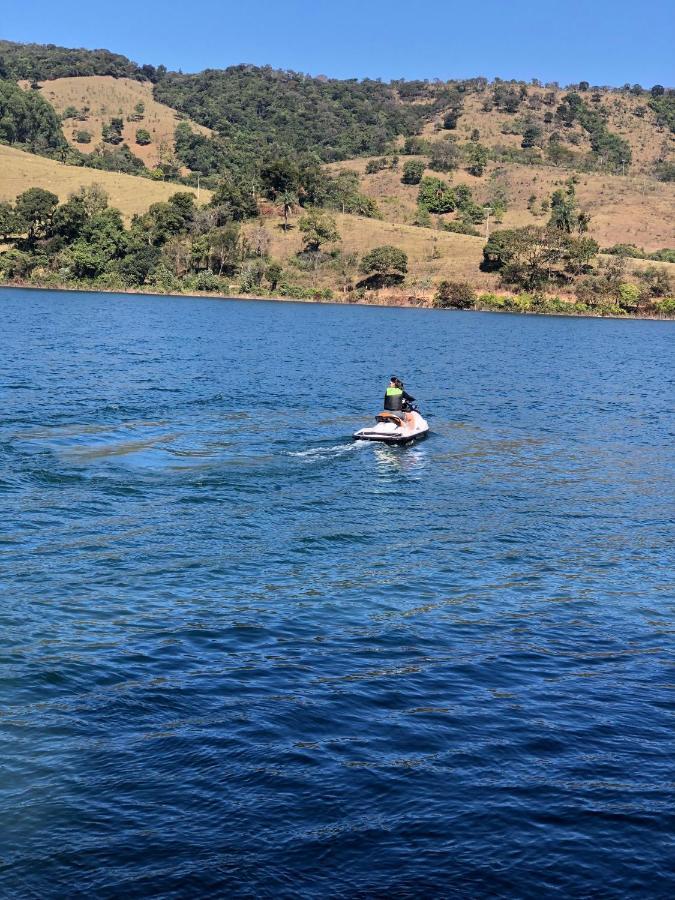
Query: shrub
{"points": [[143, 137], [83, 137], [422, 218], [667, 254], [413, 171], [16, 263], [251, 276], [296, 292], [629, 295], [444, 156], [665, 307], [207, 281], [455, 295], [416, 146], [373, 166], [490, 301], [436, 196], [460, 228]]}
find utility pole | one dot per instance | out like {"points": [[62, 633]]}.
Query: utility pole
{"points": [[488, 210]]}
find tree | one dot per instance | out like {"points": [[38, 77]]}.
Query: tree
{"points": [[384, 265], [69, 218], [273, 274], [564, 213], [454, 295], [233, 202], [533, 256], [318, 228], [112, 131], [385, 260], [413, 171], [580, 252], [531, 136], [34, 209], [658, 90], [177, 252], [8, 221], [259, 240], [451, 118], [138, 264], [436, 196], [94, 198], [143, 137], [583, 221], [27, 118], [444, 156], [225, 251], [280, 176], [476, 158], [287, 202]]}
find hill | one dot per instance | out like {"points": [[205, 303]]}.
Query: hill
{"points": [[631, 209], [95, 99], [128, 193], [544, 170]]}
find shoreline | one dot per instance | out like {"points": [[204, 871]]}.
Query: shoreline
{"points": [[68, 289]]}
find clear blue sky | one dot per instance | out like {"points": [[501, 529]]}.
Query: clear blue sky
{"points": [[601, 41]]}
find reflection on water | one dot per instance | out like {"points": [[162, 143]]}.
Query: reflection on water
{"points": [[394, 461], [245, 655]]}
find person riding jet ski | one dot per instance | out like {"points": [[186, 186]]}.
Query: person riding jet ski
{"points": [[400, 422], [395, 397]]}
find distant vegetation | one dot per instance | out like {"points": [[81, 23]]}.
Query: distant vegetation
{"points": [[176, 246], [450, 160], [39, 62], [262, 111]]}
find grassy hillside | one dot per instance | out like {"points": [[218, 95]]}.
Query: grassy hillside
{"points": [[628, 115], [100, 97], [631, 209], [129, 194], [432, 255]]}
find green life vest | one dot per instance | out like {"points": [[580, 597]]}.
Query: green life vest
{"points": [[393, 392]]}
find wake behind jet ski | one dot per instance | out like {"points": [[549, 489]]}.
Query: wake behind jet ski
{"points": [[399, 422]]}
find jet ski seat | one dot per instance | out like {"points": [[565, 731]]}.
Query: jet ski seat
{"points": [[387, 416]]}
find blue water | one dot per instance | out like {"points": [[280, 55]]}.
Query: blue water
{"points": [[243, 656]]}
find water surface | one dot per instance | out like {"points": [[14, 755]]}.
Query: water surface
{"points": [[242, 655]]}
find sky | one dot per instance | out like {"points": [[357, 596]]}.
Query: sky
{"points": [[604, 42]]}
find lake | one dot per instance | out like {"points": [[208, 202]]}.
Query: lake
{"points": [[243, 655]]}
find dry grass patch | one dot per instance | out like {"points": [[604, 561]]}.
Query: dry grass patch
{"points": [[432, 255], [631, 209], [107, 97], [128, 193]]}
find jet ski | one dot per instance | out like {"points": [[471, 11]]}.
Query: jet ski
{"points": [[395, 427]]}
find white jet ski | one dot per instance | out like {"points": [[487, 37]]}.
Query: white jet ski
{"points": [[395, 428]]}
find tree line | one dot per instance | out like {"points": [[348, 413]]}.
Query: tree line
{"points": [[178, 246]]}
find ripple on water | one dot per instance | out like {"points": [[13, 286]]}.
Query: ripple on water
{"points": [[243, 654]]}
